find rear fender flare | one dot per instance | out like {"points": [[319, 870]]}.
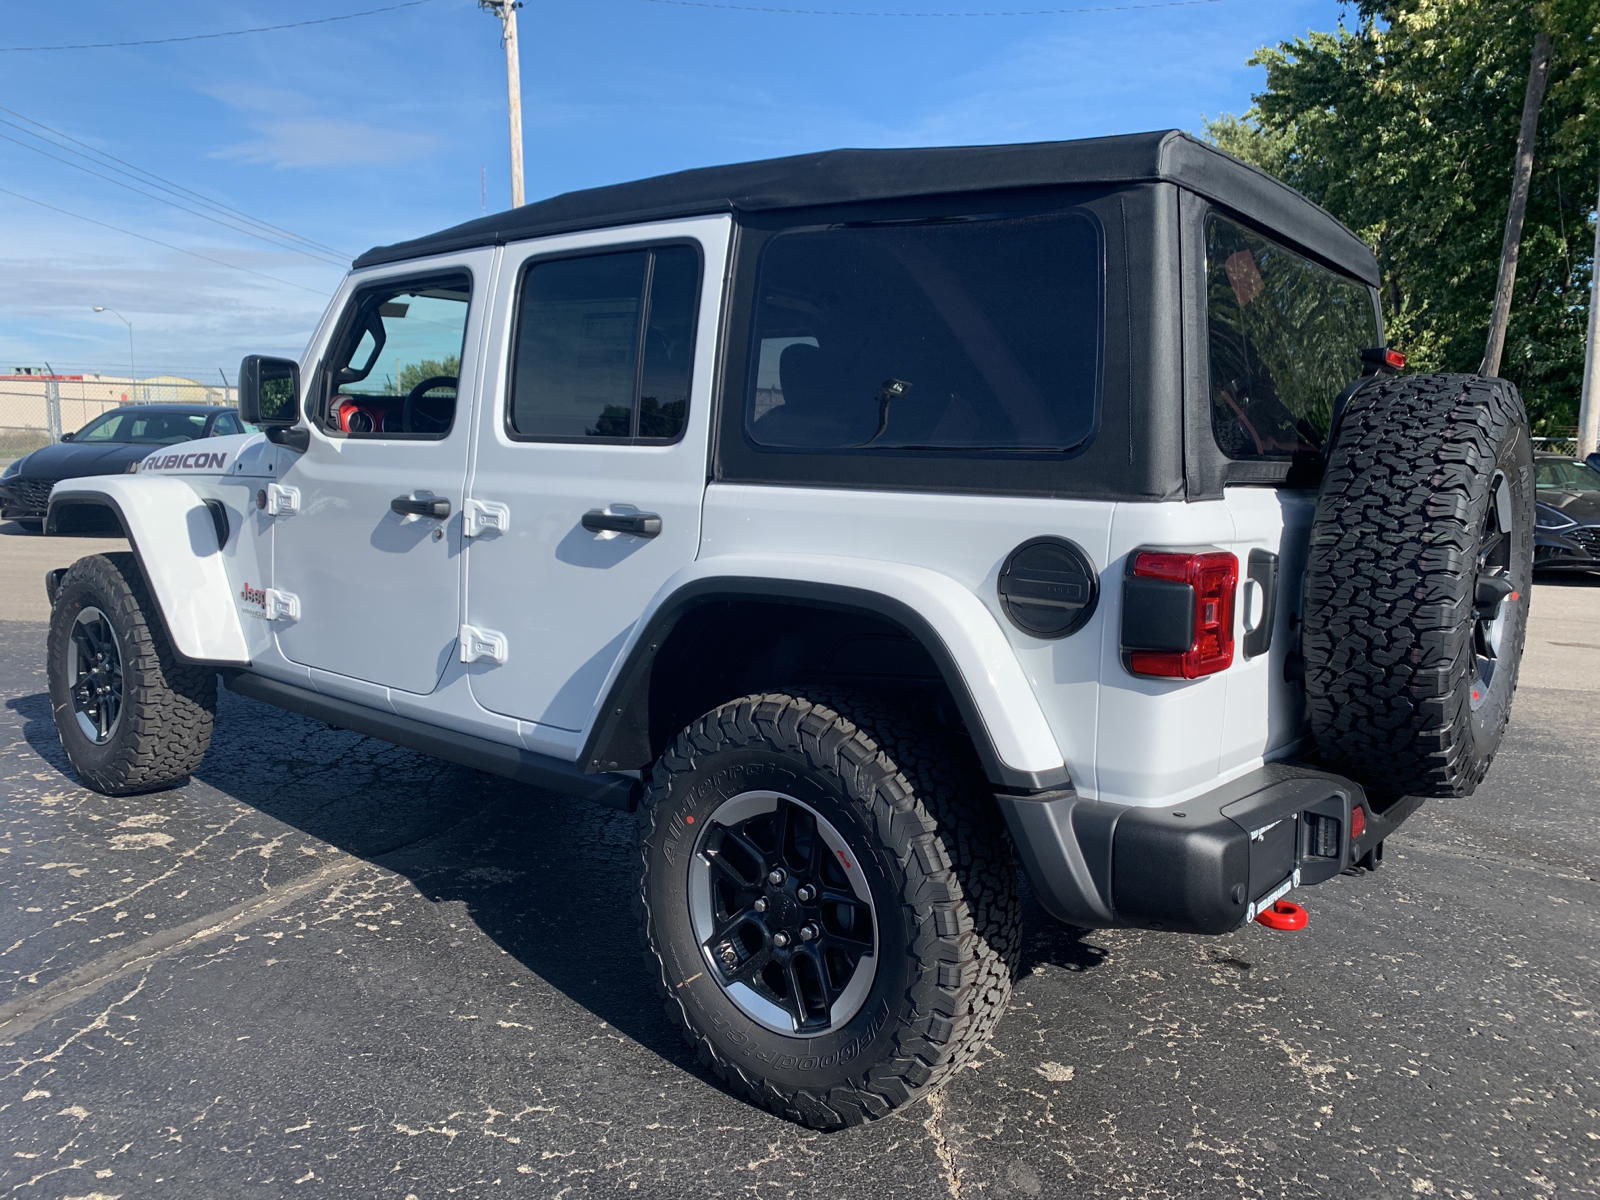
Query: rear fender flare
{"points": [[174, 535], [1014, 741]]}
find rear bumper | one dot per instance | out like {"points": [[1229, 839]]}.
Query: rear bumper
{"points": [[1207, 865]]}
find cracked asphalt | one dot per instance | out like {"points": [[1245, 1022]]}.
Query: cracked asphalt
{"points": [[330, 965]]}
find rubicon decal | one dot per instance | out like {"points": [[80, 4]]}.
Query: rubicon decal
{"points": [[202, 460]]}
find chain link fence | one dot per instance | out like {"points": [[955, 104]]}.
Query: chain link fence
{"points": [[1560, 441], [35, 410]]}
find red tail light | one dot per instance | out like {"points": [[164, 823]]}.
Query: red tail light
{"points": [[1395, 359], [1358, 821], [1215, 580]]}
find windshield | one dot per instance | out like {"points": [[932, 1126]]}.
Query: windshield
{"points": [[143, 428], [1569, 476]]}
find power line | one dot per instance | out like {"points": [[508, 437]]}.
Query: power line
{"points": [[167, 245], [318, 257], [161, 183], [1029, 12], [200, 37]]}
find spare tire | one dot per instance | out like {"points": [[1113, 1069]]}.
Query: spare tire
{"points": [[1416, 589]]}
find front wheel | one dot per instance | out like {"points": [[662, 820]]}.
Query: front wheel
{"points": [[132, 718], [828, 902]]}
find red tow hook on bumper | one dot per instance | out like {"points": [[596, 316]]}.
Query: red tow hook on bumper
{"points": [[1283, 914]]}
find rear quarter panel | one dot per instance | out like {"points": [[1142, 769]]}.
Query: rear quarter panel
{"points": [[1124, 739]]}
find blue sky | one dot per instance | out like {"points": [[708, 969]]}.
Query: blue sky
{"points": [[375, 129]]}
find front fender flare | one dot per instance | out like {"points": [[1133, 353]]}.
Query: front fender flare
{"points": [[174, 537], [1008, 728]]}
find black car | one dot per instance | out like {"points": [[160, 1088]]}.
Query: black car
{"points": [[1567, 534], [108, 445]]}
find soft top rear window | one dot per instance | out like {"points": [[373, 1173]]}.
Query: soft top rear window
{"points": [[939, 337], [1286, 336]]}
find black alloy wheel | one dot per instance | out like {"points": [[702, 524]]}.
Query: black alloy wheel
{"points": [[95, 676], [828, 901], [1492, 587], [132, 717], [783, 913]]}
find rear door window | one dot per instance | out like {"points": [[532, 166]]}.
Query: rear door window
{"points": [[1286, 336], [935, 337], [605, 347]]}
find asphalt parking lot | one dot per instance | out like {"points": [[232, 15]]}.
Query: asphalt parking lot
{"points": [[327, 964]]}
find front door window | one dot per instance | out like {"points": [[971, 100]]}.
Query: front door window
{"points": [[395, 368]]}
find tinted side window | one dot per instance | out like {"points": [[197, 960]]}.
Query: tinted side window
{"points": [[1286, 336], [944, 336], [226, 424], [605, 346]]}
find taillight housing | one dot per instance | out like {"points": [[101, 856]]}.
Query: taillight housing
{"points": [[1178, 613]]}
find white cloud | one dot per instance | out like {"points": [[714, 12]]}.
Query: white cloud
{"points": [[293, 135], [188, 315], [328, 142]]}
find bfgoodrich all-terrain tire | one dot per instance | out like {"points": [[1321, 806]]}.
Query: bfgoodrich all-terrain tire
{"points": [[132, 718], [1416, 592], [828, 902]]}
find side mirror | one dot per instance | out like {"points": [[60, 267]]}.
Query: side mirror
{"points": [[67, 437], [269, 391]]}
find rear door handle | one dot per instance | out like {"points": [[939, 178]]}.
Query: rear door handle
{"points": [[421, 506], [645, 525]]}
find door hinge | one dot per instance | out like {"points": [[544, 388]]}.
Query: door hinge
{"points": [[482, 645], [282, 500], [279, 605], [480, 516]]}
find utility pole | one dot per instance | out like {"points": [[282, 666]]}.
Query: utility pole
{"points": [[1522, 176], [1589, 412], [506, 10]]}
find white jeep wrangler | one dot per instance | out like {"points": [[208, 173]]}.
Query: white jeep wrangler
{"points": [[871, 522]]}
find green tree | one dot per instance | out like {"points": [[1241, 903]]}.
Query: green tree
{"points": [[414, 373], [1404, 126]]}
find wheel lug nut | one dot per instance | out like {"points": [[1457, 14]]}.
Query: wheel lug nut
{"points": [[806, 894], [809, 931], [777, 876], [761, 904], [780, 939]]}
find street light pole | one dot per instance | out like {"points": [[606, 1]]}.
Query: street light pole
{"points": [[506, 10], [132, 378]]}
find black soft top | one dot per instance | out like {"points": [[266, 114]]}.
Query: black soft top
{"points": [[848, 176]]}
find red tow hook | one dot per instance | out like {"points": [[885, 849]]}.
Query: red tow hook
{"points": [[1284, 915]]}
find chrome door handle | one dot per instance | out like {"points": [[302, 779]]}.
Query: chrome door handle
{"points": [[420, 506], [646, 525]]}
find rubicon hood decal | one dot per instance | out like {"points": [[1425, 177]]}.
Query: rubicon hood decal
{"points": [[196, 460], [211, 455]]}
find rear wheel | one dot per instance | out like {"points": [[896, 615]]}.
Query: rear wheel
{"points": [[132, 718], [828, 902], [1416, 594]]}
